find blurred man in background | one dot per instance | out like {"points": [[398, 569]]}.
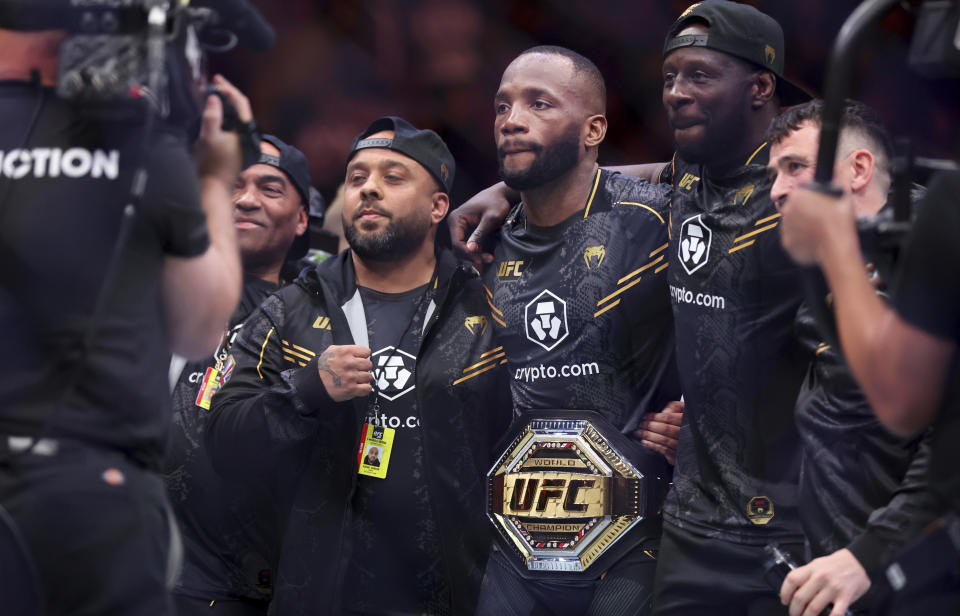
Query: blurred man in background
{"points": [[229, 522]]}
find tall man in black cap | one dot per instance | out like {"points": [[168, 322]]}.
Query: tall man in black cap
{"points": [[735, 296], [386, 345], [227, 521]]}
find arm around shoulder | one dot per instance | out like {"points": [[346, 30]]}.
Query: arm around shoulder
{"points": [[647, 171]]}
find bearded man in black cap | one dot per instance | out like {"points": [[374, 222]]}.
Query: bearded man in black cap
{"points": [[225, 520], [386, 344]]}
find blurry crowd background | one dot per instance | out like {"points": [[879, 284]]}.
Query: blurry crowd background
{"points": [[338, 64]]}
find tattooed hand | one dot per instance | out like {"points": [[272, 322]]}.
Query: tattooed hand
{"points": [[345, 371]]}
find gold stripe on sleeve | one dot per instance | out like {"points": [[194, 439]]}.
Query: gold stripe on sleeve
{"points": [[263, 348]]}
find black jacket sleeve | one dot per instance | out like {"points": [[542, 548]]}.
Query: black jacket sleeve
{"points": [[891, 527], [265, 411]]}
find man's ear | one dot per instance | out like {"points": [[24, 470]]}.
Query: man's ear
{"points": [[439, 207], [862, 167], [596, 127], [302, 221], [764, 88]]}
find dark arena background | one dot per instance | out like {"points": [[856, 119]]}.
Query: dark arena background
{"points": [[339, 63]]}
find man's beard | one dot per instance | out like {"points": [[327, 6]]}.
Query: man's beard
{"points": [[398, 239], [550, 162]]}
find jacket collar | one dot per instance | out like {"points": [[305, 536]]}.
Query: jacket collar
{"points": [[335, 282]]}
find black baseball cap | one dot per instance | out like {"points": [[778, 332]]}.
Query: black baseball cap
{"points": [[294, 165], [738, 30], [424, 146]]}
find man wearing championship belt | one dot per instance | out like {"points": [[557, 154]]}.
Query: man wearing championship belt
{"points": [[369, 395], [735, 294], [581, 309]]}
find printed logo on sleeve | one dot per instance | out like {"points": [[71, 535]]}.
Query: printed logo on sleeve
{"points": [[695, 238], [546, 320]]}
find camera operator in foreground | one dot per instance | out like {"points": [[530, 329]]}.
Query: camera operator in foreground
{"points": [[903, 356], [94, 294]]}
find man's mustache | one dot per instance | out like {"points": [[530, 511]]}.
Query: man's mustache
{"points": [[368, 209], [536, 148]]}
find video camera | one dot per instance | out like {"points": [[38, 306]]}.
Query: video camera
{"points": [[935, 53], [118, 51]]}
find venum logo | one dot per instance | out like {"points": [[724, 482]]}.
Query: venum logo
{"points": [[546, 320], [393, 372], [476, 325], [596, 254], [695, 238]]}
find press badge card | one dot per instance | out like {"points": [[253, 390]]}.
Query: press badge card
{"points": [[373, 456], [209, 386]]}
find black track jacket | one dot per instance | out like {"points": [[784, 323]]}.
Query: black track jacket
{"points": [[274, 422]]}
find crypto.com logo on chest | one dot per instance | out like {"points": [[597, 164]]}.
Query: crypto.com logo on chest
{"points": [[545, 319], [695, 238], [393, 372]]}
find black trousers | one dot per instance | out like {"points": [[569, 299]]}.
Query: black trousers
{"points": [[624, 590], [699, 576], [96, 527]]}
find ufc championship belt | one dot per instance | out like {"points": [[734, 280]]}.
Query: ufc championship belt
{"points": [[571, 495]]}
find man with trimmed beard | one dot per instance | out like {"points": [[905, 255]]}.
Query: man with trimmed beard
{"points": [[387, 344], [735, 294], [577, 282]]}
